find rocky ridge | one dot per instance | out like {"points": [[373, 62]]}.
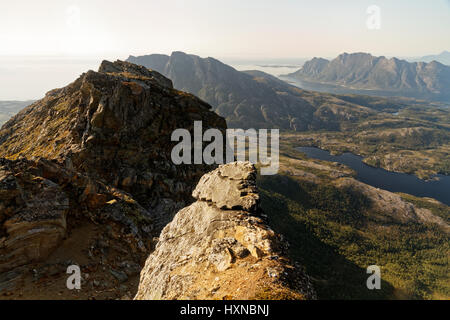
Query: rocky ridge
{"points": [[220, 247], [88, 169], [92, 125]]}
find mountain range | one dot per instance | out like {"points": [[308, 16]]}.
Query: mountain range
{"points": [[254, 99], [364, 73]]}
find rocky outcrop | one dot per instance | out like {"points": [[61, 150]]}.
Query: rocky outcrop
{"points": [[33, 211], [37, 197], [115, 125], [88, 169], [221, 248]]}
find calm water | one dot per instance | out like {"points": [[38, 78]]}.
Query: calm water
{"points": [[391, 181], [275, 70]]}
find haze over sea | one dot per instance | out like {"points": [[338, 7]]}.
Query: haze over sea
{"points": [[29, 78]]}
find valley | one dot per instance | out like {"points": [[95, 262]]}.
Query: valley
{"points": [[337, 226], [414, 141], [398, 134]]}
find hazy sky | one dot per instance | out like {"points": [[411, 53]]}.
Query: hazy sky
{"points": [[225, 28], [48, 43]]}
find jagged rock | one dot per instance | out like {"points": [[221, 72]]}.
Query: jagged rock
{"points": [[219, 247], [387, 76], [114, 125], [88, 169]]}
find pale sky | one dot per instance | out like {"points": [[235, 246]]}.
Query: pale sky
{"points": [[231, 28], [68, 37]]}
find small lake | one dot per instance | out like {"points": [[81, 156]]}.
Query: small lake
{"points": [[386, 180]]}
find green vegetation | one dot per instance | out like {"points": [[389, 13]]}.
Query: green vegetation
{"points": [[336, 235]]}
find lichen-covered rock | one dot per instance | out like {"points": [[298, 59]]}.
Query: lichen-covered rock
{"points": [[230, 187], [220, 247]]}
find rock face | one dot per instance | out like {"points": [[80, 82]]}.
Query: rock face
{"points": [[220, 248], [34, 212], [37, 198], [88, 168]]}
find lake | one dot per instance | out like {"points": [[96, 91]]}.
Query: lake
{"points": [[386, 180]]}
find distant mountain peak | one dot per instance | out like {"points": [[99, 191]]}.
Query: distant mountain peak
{"points": [[362, 71]]}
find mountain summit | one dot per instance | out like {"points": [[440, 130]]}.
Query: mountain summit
{"points": [[113, 125], [87, 170]]}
